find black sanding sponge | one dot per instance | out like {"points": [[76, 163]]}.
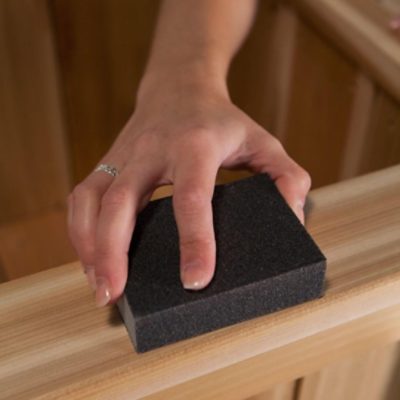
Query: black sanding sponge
{"points": [[266, 261]]}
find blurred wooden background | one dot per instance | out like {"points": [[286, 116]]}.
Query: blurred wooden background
{"points": [[323, 82]]}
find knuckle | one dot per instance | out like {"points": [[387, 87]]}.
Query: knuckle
{"points": [[81, 241], [303, 179], [275, 144], [264, 136], [80, 233], [267, 145], [116, 196], [103, 253], [196, 242], [81, 191], [197, 138], [145, 141]]}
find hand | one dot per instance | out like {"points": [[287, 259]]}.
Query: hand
{"points": [[180, 134]]}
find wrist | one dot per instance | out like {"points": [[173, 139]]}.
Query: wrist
{"points": [[190, 78]]}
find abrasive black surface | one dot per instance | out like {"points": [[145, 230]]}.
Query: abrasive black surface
{"points": [[266, 261]]}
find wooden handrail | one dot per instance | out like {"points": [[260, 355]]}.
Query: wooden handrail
{"points": [[55, 344], [356, 31]]}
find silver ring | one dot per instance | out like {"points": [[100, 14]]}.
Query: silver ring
{"points": [[109, 169]]}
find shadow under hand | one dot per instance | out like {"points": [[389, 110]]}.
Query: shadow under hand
{"points": [[114, 317]]}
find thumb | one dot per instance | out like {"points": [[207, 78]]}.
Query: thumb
{"points": [[294, 188], [292, 181]]}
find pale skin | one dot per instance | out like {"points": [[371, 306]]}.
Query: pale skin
{"points": [[184, 129]]}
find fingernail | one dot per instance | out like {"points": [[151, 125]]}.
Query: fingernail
{"points": [[103, 292], [91, 277], [193, 275]]}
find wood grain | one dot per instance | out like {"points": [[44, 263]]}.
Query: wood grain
{"points": [[379, 12], [321, 95], [102, 48], [373, 375], [55, 344], [360, 119], [34, 244], [355, 30], [281, 391], [251, 71], [34, 173], [291, 361], [381, 147], [279, 72]]}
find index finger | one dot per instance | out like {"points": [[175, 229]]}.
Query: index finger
{"points": [[193, 189]]}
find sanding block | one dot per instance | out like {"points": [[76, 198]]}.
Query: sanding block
{"points": [[266, 261]]}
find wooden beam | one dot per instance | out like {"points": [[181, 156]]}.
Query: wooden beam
{"points": [[373, 47], [373, 375], [281, 65], [360, 119], [319, 105]]}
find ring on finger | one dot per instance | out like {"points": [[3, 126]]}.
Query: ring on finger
{"points": [[109, 169]]}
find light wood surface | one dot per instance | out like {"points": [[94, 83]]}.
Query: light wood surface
{"points": [[55, 344], [263, 372]]}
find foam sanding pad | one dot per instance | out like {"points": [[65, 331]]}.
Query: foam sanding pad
{"points": [[266, 261]]}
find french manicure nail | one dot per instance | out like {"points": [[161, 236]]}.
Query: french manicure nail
{"points": [[196, 285], [103, 292], [193, 275]]}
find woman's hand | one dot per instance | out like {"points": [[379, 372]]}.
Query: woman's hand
{"points": [[180, 134]]}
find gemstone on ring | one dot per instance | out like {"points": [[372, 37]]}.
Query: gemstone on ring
{"points": [[109, 169]]}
